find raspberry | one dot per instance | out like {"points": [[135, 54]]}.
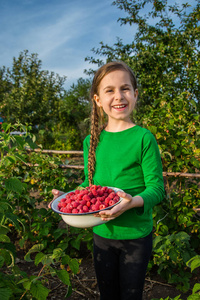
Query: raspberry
{"points": [[96, 207], [70, 194], [79, 196], [93, 207], [100, 192], [83, 202], [90, 195], [104, 189], [102, 206], [80, 207], [75, 204], [94, 187], [107, 200], [111, 202], [112, 195], [94, 192], [86, 197], [116, 198], [93, 200], [69, 206], [85, 192], [85, 208], [88, 203], [68, 200]]}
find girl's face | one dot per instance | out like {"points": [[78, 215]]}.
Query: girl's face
{"points": [[116, 96]]}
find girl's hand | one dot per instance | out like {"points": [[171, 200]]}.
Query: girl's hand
{"points": [[127, 203], [56, 194]]}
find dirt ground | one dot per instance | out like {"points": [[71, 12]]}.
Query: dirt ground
{"points": [[84, 284]]}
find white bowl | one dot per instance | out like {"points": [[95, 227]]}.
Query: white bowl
{"points": [[82, 220]]}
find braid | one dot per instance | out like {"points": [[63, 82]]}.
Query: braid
{"points": [[93, 142], [96, 116]]}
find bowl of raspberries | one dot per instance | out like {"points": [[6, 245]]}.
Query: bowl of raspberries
{"points": [[77, 208]]}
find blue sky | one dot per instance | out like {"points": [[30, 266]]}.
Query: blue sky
{"points": [[61, 32]]}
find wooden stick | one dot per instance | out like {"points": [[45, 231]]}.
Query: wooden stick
{"points": [[74, 152], [148, 279], [165, 174], [196, 209], [71, 166], [181, 174], [56, 151]]}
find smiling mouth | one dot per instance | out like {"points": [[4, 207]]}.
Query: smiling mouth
{"points": [[119, 106]]}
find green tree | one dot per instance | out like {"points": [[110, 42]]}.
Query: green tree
{"points": [[74, 113], [29, 94]]}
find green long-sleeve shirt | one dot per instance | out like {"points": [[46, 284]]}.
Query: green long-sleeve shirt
{"points": [[129, 160]]}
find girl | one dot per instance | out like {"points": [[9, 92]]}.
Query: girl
{"points": [[123, 155]]}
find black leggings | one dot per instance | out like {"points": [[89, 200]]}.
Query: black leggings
{"points": [[121, 266]]}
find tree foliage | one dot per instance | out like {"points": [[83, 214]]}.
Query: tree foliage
{"points": [[28, 93], [75, 107]]}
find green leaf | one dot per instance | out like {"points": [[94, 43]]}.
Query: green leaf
{"points": [[14, 184], [65, 259], [38, 258], [20, 157], [14, 219], [196, 288], [4, 238], [74, 265], [75, 243], [31, 143], [157, 240], [20, 140], [4, 205], [57, 253], [195, 162], [10, 159], [27, 284], [8, 252], [63, 276], [22, 242], [5, 293], [194, 262], [23, 280], [35, 248], [39, 291], [6, 126]]}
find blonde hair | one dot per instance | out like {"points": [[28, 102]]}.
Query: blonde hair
{"points": [[97, 115]]}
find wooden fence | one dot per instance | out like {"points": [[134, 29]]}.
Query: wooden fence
{"points": [[80, 153]]}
